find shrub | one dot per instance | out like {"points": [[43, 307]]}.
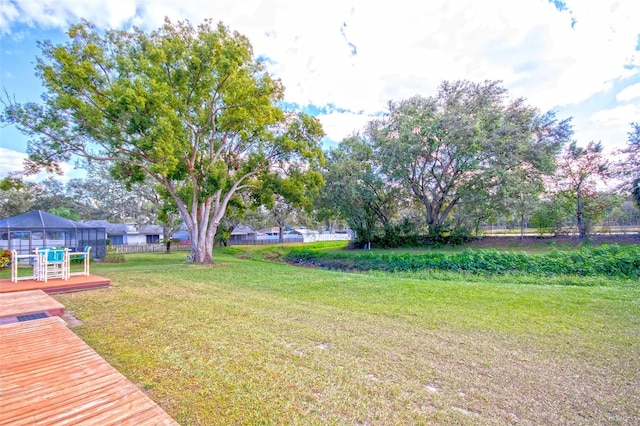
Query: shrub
{"points": [[459, 235], [113, 256], [5, 258], [549, 217], [444, 235], [403, 234], [407, 234]]}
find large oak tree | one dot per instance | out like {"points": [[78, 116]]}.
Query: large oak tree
{"points": [[188, 107], [467, 140], [357, 190]]}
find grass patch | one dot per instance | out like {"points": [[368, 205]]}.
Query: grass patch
{"points": [[279, 251], [255, 342]]}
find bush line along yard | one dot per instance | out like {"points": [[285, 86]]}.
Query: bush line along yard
{"points": [[253, 341], [609, 260]]}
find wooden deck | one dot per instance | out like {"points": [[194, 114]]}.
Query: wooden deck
{"points": [[14, 306], [74, 283], [49, 376]]}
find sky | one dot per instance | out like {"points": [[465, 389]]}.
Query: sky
{"points": [[344, 60]]}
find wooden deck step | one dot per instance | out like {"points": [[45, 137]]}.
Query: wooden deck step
{"points": [[49, 376], [24, 305]]}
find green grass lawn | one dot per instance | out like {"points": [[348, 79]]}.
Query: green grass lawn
{"points": [[256, 342]]}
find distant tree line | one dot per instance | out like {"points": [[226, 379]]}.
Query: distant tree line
{"points": [[435, 169], [185, 126], [439, 168]]}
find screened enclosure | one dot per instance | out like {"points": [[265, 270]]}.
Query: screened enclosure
{"points": [[28, 231]]}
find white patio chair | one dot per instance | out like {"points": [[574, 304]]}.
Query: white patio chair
{"points": [[52, 263], [30, 259], [85, 256]]}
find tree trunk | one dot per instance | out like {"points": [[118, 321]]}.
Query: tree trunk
{"points": [[582, 226], [202, 253], [436, 216], [434, 226], [202, 222], [202, 235]]}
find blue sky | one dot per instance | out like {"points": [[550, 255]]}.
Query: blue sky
{"points": [[343, 60]]}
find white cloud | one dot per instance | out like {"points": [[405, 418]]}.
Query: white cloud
{"points": [[402, 48], [611, 126], [60, 14], [629, 93], [338, 125], [12, 161], [619, 116]]}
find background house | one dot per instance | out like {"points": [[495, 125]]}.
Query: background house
{"points": [[308, 235], [242, 233], [130, 233], [37, 228], [272, 232]]}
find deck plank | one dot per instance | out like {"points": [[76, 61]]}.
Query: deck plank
{"points": [[74, 283], [63, 381]]}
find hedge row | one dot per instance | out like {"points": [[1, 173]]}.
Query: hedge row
{"points": [[609, 260]]}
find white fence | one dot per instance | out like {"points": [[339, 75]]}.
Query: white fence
{"points": [[265, 241], [149, 248], [326, 237], [291, 238]]}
